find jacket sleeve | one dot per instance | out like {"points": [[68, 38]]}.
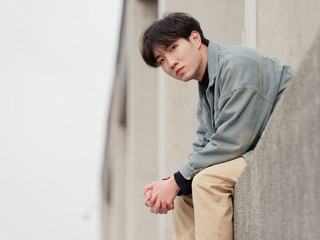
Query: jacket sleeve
{"points": [[240, 121], [183, 183]]}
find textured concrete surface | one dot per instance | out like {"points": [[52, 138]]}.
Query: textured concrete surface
{"points": [[278, 194], [285, 29]]}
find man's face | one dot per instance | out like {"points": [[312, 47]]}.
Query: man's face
{"points": [[182, 60]]}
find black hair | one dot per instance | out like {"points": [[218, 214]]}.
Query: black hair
{"points": [[164, 32]]}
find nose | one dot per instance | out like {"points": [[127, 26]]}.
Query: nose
{"points": [[172, 61]]}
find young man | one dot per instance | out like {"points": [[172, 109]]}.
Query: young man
{"points": [[238, 90]]}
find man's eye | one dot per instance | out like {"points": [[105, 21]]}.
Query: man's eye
{"points": [[173, 47], [161, 61]]}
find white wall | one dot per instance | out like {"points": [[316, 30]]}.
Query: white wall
{"points": [[56, 66]]}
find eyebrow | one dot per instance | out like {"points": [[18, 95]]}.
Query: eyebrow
{"points": [[165, 48], [157, 57]]}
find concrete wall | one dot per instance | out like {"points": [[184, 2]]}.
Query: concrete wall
{"points": [[278, 194], [131, 152], [286, 28], [141, 154]]}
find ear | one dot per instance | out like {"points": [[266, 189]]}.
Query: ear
{"points": [[195, 38]]}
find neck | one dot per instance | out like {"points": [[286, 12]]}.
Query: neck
{"points": [[203, 64]]}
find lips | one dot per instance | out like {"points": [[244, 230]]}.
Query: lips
{"points": [[179, 71]]}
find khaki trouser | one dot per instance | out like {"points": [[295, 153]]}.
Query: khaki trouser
{"points": [[208, 213]]}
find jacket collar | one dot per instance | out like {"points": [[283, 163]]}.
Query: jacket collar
{"points": [[213, 50]]}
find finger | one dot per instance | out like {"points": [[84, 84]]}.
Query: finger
{"points": [[165, 211], [147, 188], [161, 210], [170, 206], [152, 209], [146, 202], [152, 200], [149, 195], [164, 208], [157, 208]]}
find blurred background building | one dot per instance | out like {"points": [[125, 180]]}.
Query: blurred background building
{"points": [[152, 119], [56, 66]]}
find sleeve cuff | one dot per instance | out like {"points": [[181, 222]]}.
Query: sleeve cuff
{"points": [[184, 184]]}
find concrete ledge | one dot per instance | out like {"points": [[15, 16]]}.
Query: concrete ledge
{"points": [[278, 194]]}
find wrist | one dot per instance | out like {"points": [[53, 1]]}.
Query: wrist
{"points": [[174, 183], [184, 184]]}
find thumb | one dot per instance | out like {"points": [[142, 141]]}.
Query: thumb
{"points": [[147, 188]]}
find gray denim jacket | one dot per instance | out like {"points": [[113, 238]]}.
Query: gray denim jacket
{"points": [[244, 86]]}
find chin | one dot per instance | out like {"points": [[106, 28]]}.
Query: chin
{"points": [[182, 79], [185, 80]]}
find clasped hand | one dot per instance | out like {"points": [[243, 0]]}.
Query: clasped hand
{"points": [[160, 195]]}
